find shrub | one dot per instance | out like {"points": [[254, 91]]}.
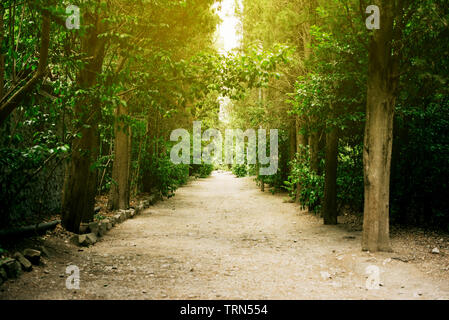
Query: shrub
{"points": [[312, 184], [240, 170]]}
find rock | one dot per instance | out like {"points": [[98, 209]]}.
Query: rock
{"points": [[33, 255], [126, 213], [102, 229], [117, 218], [403, 259], [44, 252], [24, 262], [107, 223], [3, 275], [435, 250], [93, 227], [123, 215], [91, 237], [12, 268], [83, 228], [130, 213], [145, 203], [154, 198], [82, 240]]}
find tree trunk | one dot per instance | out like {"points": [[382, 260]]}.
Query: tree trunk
{"points": [[2, 56], [80, 184], [130, 149], [292, 140], [378, 140], [330, 182], [119, 193], [147, 175], [314, 142], [301, 141]]}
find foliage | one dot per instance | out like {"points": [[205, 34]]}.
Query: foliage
{"points": [[201, 170], [301, 69], [350, 178], [311, 183], [240, 170]]}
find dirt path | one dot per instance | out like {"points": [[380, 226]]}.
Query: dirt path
{"points": [[221, 238]]}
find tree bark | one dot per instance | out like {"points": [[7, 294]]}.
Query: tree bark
{"points": [[2, 56], [378, 140], [147, 175], [292, 140], [80, 184], [119, 193], [330, 182]]}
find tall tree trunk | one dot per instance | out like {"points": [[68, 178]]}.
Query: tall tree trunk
{"points": [[330, 182], [147, 175], [130, 149], [292, 140], [378, 140], [2, 56], [301, 139], [119, 193], [80, 184]]}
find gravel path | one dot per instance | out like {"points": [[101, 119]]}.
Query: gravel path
{"points": [[221, 238]]}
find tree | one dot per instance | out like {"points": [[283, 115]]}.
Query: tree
{"points": [[10, 100], [80, 185], [382, 86], [330, 177]]}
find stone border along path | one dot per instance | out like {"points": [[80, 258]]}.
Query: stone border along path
{"points": [[222, 238], [90, 231], [11, 268]]}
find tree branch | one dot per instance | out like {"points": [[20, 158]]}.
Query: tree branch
{"points": [[9, 105]]}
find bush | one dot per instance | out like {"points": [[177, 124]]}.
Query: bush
{"points": [[166, 176], [240, 170], [350, 187], [312, 184], [206, 170], [201, 170]]}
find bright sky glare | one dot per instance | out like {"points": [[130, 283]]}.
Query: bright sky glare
{"points": [[228, 38]]}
